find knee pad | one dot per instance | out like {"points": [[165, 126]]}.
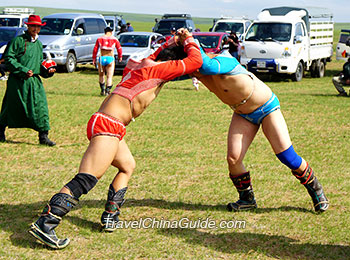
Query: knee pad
{"points": [[82, 183], [290, 158]]}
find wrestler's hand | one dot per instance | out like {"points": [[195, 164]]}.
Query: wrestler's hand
{"points": [[52, 70], [183, 33]]}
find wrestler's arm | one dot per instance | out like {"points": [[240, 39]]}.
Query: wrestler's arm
{"points": [[119, 50], [94, 52], [167, 44], [217, 65], [174, 68]]}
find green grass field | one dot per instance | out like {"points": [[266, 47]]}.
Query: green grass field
{"points": [[179, 144]]}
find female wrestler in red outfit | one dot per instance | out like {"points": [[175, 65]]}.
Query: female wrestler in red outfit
{"points": [[106, 44], [140, 85]]}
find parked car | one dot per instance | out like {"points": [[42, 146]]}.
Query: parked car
{"points": [[212, 42], [136, 45], [15, 17], [115, 22], [7, 34], [176, 21], [70, 37], [342, 48]]}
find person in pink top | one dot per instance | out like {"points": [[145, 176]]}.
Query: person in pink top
{"points": [[141, 83], [106, 44]]}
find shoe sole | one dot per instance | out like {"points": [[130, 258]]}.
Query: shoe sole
{"points": [[241, 208], [42, 237]]}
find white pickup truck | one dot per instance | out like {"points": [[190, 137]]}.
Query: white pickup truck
{"points": [[289, 40]]}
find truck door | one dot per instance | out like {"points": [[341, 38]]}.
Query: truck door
{"points": [[300, 43]]}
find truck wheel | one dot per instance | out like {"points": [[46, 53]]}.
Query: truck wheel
{"points": [[298, 75], [320, 70], [71, 62]]}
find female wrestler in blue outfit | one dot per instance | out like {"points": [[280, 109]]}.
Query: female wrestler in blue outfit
{"points": [[254, 104]]}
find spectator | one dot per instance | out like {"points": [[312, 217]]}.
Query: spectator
{"points": [[343, 79], [129, 27], [24, 103], [233, 43]]}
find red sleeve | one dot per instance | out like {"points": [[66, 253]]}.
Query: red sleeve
{"points": [[167, 44], [174, 68], [119, 48], [94, 53]]}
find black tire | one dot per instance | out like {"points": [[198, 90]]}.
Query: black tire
{"points": [[320, 70], [298, 75], [71, 63], [313, 69]]}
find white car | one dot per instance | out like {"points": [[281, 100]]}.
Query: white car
{"points": [[136, 45], [342, 48]]}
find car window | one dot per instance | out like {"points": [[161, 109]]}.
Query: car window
{"points": [[208, 41], [79, 24], [269, 32], [229, 26], [127, 40], [56, 26], [110, 23], [164, 26], [343, 38], [93, 26], [11, 22], [101, 25], [299, 30]]}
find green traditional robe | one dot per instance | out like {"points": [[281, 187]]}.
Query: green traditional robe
{"points": [[24, 103]]}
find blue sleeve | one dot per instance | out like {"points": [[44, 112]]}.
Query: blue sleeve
{"points": [[218, 65]]}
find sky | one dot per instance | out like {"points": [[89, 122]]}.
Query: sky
{"points": [[197, 8]]}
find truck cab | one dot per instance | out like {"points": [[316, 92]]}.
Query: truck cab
{"points": [[288, 40], [229, 24]]}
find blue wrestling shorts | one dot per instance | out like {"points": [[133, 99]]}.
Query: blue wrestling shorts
{"points": [[106, 60], [260, 113]]}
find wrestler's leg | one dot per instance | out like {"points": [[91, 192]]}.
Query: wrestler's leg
{"points": [[97, 158], [240, 136], [110, 71], [276, 131], [125, 162], [101, 79]]}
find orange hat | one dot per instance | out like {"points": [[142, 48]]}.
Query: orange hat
{"points": [[34, 20]]}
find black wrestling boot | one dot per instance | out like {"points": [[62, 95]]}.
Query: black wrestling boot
{"points": [[110, 216], [314, 188], [2, 133], [44, 139], [108, 90], [43, 229], [103, 89], [246, 195]]}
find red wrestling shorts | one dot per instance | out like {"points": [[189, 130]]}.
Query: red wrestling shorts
{"points": [[102, 124]]}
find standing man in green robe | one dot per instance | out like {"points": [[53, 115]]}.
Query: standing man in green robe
{"points": [[24, 104]]}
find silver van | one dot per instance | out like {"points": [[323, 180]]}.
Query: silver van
{"points": [[70, 37]]}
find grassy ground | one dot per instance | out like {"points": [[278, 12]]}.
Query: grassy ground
{"points": [[179, 144]]}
